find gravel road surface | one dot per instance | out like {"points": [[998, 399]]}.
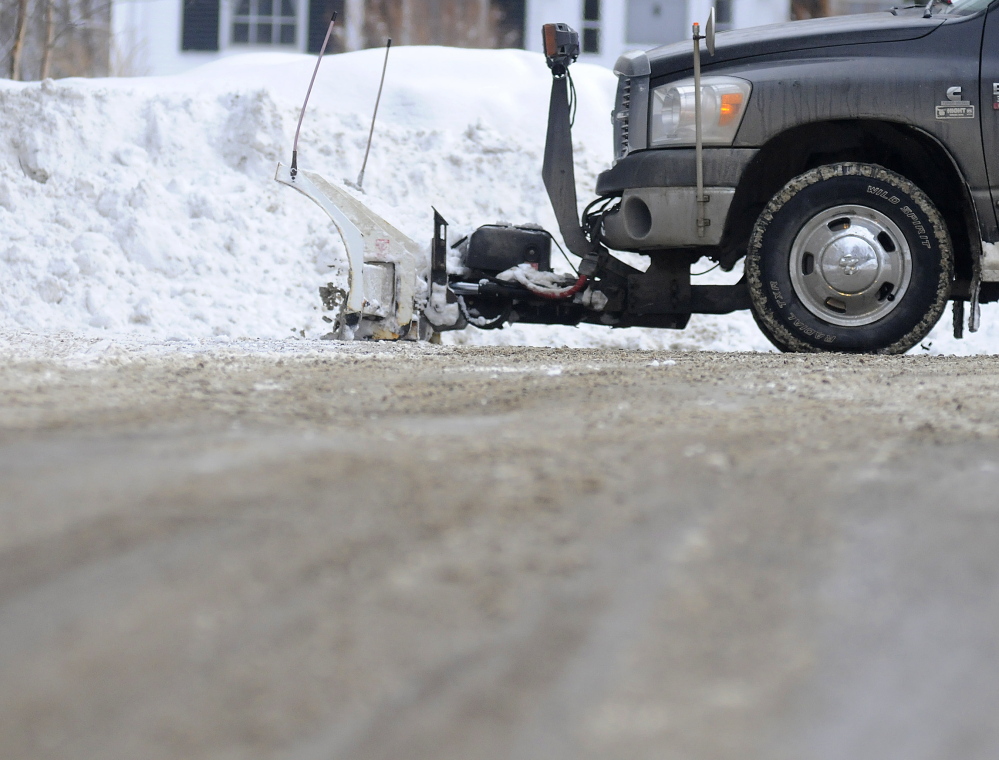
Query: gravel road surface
{"points": [[432, 553]]}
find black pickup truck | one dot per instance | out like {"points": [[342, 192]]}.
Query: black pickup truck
{"points": [[853, 162]]}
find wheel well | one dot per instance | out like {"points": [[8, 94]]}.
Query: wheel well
{"points": [[898, 147]]}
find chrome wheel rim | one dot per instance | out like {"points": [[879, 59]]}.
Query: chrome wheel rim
{"points": [[850, 265]]}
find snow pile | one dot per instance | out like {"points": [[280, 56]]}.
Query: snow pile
{"points": [[145, 209]]}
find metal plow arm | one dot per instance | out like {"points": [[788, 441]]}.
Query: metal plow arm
{"points": [[382, 277]]}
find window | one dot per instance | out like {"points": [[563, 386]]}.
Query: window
{"points": [[264, 22], [591, 26]]}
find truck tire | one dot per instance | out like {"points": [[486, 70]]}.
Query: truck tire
{"points": [[849, 257]]}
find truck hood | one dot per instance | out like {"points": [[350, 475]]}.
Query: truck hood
{"points": [[791, 36]]}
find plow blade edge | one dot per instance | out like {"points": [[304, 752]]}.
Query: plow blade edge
{"points": [[382, 287]]}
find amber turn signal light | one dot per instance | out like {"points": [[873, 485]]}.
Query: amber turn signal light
{"points": [[551, 46], [731, 106]]}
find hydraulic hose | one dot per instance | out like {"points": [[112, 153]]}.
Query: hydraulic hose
{"points": [[558, 295]]}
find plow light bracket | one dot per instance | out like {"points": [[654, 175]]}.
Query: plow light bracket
{"points": [[561, 47]]}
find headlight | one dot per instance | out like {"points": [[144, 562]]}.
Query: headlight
{"points": [[723, 103]]}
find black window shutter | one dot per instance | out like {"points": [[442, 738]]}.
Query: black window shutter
{"points": [[201, 25], [320, 12]]}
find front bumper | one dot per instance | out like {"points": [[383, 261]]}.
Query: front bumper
{"points": [[660, 218], [658, 197]]}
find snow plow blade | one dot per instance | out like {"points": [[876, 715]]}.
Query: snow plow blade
{"points": [[382, 287]]}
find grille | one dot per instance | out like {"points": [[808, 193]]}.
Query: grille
{"points": [[621, 117]]}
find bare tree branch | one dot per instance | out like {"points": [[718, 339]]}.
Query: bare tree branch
{"points": [[49, 37], [76, 23]]}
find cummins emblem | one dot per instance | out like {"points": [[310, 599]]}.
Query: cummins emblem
{"points": [[954, 107]]}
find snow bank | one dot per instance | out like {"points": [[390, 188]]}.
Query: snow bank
{"points": [[144, 209]]}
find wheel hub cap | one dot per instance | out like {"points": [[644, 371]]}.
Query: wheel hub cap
{"points": [[850, 265]]}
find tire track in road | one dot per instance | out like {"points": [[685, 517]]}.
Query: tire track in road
{"points": [[525, 691]]}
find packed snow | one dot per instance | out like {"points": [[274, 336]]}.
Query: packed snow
{"points": [[142, 212]]}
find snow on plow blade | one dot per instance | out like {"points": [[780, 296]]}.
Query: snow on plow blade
{"points": [[382, 287]]}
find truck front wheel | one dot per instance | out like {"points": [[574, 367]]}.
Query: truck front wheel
{"points": [[849, 257]]}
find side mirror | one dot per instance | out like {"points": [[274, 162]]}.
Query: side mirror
{"points": [[709, 32]]}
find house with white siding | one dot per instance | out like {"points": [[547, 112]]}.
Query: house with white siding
{"points": [[170, 36]]}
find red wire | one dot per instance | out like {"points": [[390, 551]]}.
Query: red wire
{"points": [[567, 293]]}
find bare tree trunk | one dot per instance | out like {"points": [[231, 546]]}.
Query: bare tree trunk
{"points": [[406, 30], [482, 25], [87, 33], [21, 26], [49, 38]]}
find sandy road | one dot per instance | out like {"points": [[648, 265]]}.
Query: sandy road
{"points": [[431, 553]]}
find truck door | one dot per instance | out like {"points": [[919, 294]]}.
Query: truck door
{"points": [[989, 100]]}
